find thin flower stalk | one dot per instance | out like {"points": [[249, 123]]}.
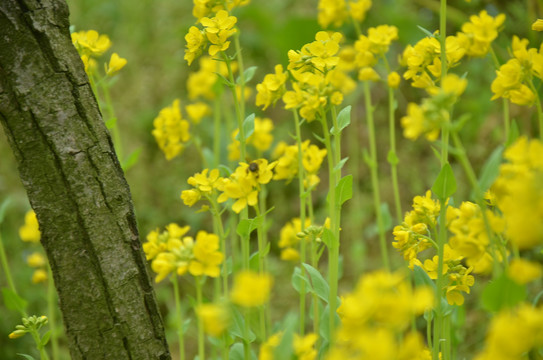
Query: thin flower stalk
{"points": [[179, 314], [375, 176], [201, 335], [51, 309]]}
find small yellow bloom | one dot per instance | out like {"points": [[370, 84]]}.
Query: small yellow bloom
{"points": [[524, 271], [35, 259], [538, 25], [251, 289], [197, 111], [207, 256], [39, 276], [215, 317], [116, 63], [17, 334], [90, 42], [393, 80], [30, 230], [368, 74]]}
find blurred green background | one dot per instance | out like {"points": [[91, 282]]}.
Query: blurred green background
{"points": [[150, 35]]}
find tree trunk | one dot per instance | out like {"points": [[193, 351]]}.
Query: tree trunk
{"points": [[76, 186]]}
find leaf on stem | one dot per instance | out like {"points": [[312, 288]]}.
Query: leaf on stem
{"points": [[344, 189], [13, 301], [343, 120], [445, 184], [247, 75], [248, 126], [491, 169], [502, 293], [318, 283]]}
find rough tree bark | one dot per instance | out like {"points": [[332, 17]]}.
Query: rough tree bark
{"points": [[76, 186]]}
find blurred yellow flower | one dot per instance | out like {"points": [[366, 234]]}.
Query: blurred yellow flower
{"points": [[393, 80], [36, 259], [90, 42], [215, 317], [30, 230], [251, 289], [116, 63], [207, 256], [197, 111], [538, 25], [523, 271], [39, 276], [171, 131]]}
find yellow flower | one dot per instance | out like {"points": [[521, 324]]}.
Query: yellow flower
{"points": [[271, 88], [39, 276], [197, 111], [324, 50], [207, 256], [393, 80], [36, 259], [268, 347], [190, 197], [218, 30], [177, 258], [381, 37], [368, 74], [116, 63], [90, 42], [215, 318], [30, 230], [538, 25], [524, 271], [196, 43], [332, 12], [481, 31], [358, 9], [205, 183], [158, 242], [304, 347], [171, 131], [251, 289]]}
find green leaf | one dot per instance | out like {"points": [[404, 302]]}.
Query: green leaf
{"points": [[327, 237], [3, 208], [13, 301], [324, 328], [427, 32], [248, 127], [45, 338], [246, 226], [445, 184], [254, 263], [110, 123], [131, 160], [502, 293], [225, 170], [513, 133], [422, 278], [225, 80], [285, 349], [319, 284], [236, 352], [247, 74], [321, 139], [392, 158], [491, 169], [386, 216], [344, 189], [26, 356], [340, 164], [238, 325], [298, 279], [343, 120], [266, 250]]}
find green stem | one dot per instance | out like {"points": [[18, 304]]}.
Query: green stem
{"points": [[539, 109], [5, 267], [241, 73], [217, 125], [333, 258], [301, 190], [51, 309], [36, 336], [392, 156], [261, 259], [238, 107], [217, 220], [115, 128], [375, 176], [201, 335], [179, 313]]}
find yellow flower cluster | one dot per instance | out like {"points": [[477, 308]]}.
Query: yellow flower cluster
{"points": [[469, 242], [375, 317], [261, 139], [470, 237], [172, 252], [271, 88], [91, 45], [31, 324], [215, 317], [519, 194], [201, 83], [203, 8], [369, 48], [304, 347], [514, 78], [245, 182], [287, 162], [216, 31], [251, 289], [480, 32], [29, 232], [337, 12], [513, 333], [171, 131], [203, 184], [317, 81], [427, 119]]}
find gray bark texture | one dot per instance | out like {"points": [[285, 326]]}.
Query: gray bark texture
{"points": [[76, 186]]}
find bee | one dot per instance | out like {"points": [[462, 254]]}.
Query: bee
{"points": [[253, 167]]}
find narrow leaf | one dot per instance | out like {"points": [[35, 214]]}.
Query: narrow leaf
{"points": [[247, 75], [491, 169], [344, 189], [3, 208], [427, 32], [236, 352], [238, 325], [298, 279], [45, 338], [340, 164], [344, 118], [26, 356], [13, 301], [246, 226], [285, 349], [445, 184], [131, 160], [248, 126], [327, 237]]}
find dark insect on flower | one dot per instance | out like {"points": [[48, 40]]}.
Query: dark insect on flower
{"points": [[253, 167]]}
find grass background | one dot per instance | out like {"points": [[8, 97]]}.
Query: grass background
{"points": [[150, 34]]}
